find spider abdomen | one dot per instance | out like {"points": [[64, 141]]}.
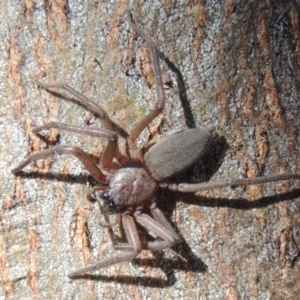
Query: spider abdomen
{"points": [[178, 152], [129, 186]]}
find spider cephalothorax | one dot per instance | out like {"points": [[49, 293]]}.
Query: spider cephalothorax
{"points": [[130, 185]]}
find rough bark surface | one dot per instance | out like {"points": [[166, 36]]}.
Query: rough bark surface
{"points": [[232, 65]]}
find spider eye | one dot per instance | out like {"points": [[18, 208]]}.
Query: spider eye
{"points": [[110, 202], [108, 199]]}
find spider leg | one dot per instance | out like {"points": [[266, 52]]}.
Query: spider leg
{"points": [[144, 122], [163, 231], [110, 150], [160, 227], [83, 100], [134, 249], [198, 187], [76, 151], [159, 217], [92, 131]]}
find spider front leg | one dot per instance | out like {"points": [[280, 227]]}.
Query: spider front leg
{"points": [[109, 152], [76, 151], [111, 147]]}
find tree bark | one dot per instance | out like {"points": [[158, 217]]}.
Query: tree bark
{"points": [[232, 65]]}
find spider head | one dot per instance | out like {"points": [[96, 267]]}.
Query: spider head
{"points": [[110, 202]]}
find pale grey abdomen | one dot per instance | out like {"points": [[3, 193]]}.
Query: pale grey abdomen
{"points": [[177, 152]]}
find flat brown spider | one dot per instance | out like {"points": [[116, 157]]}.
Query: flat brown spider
{"points": [[129, 189]]}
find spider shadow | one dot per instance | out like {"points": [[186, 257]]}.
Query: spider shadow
{"points": [[81, 179], [166, 265], [243, 203], [187, 110]]}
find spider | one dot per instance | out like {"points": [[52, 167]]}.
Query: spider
{"points": [[129, 188]]}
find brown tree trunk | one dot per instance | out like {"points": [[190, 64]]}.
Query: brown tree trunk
{"points": [[232, 66]]}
